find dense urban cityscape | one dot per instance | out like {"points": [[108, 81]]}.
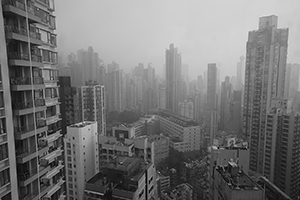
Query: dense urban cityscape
{"points": [[74, 127]]}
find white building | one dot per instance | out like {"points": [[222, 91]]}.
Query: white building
{"points": [[82, 159], [183, 132]]}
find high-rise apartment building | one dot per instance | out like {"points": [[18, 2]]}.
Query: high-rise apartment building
{"points": [[264, 80], [92, 106], [69, 103], [162, 98], [235, 114], [240, 74], [226, 97], [89, 62], [32, 137], [115, 88], [81, 157], [173, 78], [211, 103], [291, 80], [282, 156]]}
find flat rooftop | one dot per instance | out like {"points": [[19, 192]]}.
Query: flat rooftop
{"points": [[81, 124], [178, 119], [236, 179]]}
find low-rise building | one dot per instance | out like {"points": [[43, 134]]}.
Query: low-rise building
{"points": [[161, 147], [231, 182], [183, 132], [123, 178]]}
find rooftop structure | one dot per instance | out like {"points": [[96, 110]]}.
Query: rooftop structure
{"points": [[124, 177], [232, 183]]}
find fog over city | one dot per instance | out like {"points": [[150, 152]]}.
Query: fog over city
{"points": [[134, 31]]}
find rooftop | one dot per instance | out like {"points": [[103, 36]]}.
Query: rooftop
{"points": [[235, 178], [178, 119], [81, 124]]}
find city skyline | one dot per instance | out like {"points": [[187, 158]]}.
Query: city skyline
{"points": [[203, 35]]}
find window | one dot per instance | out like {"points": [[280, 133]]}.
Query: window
{"points": [[69, 165], [4, 177], [69, 145], [70, 179], [69, 152], [70, 172], [3, 152], [69, 159], [70, 185]]}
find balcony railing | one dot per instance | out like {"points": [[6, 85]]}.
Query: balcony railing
{"points": [[26, 80], [22, 105], [28, 104], [21, 5], [22, 31], [24, 56], [41, 123], [45, 2], [24, 129], [22, 153], [30, 195], [27, 174], [2, 131]]}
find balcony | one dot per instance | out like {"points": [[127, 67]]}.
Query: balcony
{"points": [[24, 108], [18, 7], [26, 83], [30, 195], [23, 132], [27, 177], [51, 101], [54, 171], [42, 147], [53, 137], [53, 119], [55, 188], [24, 155], [21, 34], [50, 157], [22, 59], [45, 188], [5, 189], [2, 112]]}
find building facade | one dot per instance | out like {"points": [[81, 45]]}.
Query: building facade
{"points": [[226, 97], [186, 109], [29, 65], [184, 133], [92, 106], [81, 157], [264, 80], [282, 155]]}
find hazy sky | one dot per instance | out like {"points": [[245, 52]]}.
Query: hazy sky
{"points": [[133, 31]]}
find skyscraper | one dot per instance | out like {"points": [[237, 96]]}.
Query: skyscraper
{"points": [[173, 78], [211, 103], [264, 80], [282, 156], [239, 74], [114, 88], [226, 97], [92, 100], [30, 136]]}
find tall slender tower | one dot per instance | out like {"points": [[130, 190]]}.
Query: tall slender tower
{"points": [[173, 78], [33, 136], [92, 100], [264, 80], [239, 74], [226, 97], [211, 103]]}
